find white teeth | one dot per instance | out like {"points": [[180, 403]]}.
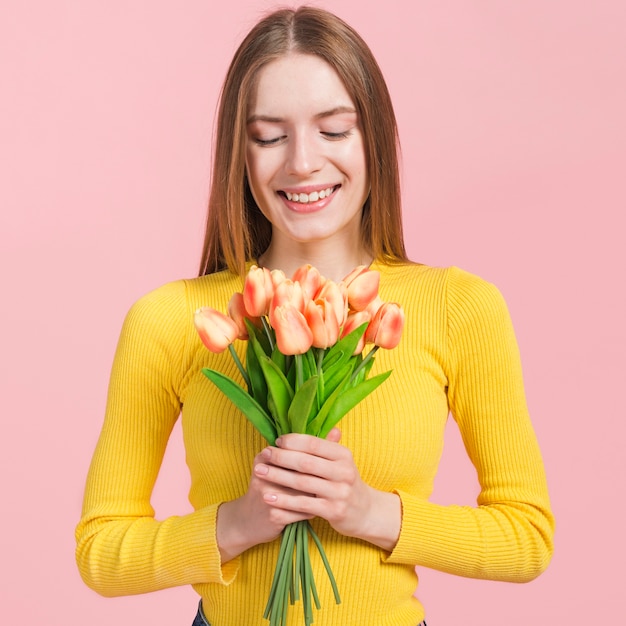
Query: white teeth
{"points": [[310, 197]]}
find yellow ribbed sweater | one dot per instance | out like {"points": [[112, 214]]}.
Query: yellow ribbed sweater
{"points": [[458, 354]]}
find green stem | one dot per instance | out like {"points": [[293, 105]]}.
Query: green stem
{"points": [[268, 332], [321, 353], [329, 571], [299, 371], [368, 357], [277, 596], [239, 365]]}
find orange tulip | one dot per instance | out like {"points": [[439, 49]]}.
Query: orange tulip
{"points": [[217, 331], [337, 297], [323, 323], [277, 277], [258, 290], [385, 329], [354, 320], [374, 305], [237, 312], [293, 335], [310, 279], [362, 285], [288, 291]]}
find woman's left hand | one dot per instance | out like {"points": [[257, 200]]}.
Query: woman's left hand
{"points": [[323, 481]]}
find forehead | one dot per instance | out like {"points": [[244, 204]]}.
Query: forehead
{"points": [[297, 83]]}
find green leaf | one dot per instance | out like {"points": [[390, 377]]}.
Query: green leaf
{"points": [[334, 379], [311, 364], [245, 403], [280, 359], [255, 373], [258, 337], [279, 389], [345, 347], [363, 372], [349, 399], [317, 422], [301, 405]]}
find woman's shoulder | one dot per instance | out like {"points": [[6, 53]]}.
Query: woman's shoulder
{"points": [[451, 290], [202, 290], [169, 308], [411, 276]]}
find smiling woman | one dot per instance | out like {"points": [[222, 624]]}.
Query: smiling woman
{"points": [[237, 230], [306, 172]]}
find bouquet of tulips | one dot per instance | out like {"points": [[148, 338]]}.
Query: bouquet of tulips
{"points": [[304, 371]]}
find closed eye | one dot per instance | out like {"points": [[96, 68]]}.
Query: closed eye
{"points": [[268, 142], [337, 136]]}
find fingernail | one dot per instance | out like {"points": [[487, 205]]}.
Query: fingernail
{"points": [[266, 453], [261, 469], [278, 441], [270, 497]]}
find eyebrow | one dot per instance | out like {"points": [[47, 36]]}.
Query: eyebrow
{"points": [[277, 120]]}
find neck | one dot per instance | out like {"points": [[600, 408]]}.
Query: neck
{"points": [[334, 262]]}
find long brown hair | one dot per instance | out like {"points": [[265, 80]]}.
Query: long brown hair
{"points": [[236, 229]]}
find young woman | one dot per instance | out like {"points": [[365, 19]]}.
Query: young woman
{"points": [[306, 171]]}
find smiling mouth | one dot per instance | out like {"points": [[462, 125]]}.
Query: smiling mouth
{"points": [[305, 198]]}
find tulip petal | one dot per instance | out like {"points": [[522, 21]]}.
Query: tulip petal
{"points": [[293, 335], [216, 330]]}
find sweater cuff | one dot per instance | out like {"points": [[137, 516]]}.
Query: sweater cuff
{"points": [[432, 535], [223, 573], [404, 550]]}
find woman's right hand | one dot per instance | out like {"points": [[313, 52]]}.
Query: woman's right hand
{"points": [[249, 520]]}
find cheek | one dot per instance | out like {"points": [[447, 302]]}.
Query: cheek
{"points": [[355, 160], [259, 172], [252, 174]]}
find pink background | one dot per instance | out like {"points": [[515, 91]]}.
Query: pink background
{"points": [[513, 131]]}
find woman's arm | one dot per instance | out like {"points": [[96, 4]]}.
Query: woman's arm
{"points": [[509, 535], [121, 548]]}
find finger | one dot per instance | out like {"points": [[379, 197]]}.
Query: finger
{"points": [[306, 507], [334, 435], [323, 448], [309, 476], [297, 462]]}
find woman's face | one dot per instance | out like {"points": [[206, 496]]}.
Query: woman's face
{"points": [[305, 157]]}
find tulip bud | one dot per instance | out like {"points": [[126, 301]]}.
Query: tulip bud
{"points": [[323, 323], [288, 291], [217, 331], [237, 312], [385, 329], [337, 297], [293, 335], [354, 320], [362, 285], [258, 290], [310, 279], [278, 276]]}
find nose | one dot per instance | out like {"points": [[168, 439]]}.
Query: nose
{"points": [[304, 155]]}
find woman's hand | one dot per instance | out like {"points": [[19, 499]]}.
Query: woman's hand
{"points": [[252, 519], [305, 476]]}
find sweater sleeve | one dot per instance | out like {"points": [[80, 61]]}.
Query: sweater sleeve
{"points": [[508, 535], [121, 548]]}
